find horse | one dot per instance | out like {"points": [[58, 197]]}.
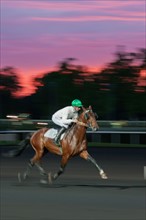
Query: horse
{"points": [[73, 143]]}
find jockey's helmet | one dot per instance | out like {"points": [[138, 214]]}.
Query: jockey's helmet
{"points": [[76, 103]]}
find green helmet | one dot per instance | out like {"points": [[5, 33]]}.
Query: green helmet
{"points": [[76, 103]]}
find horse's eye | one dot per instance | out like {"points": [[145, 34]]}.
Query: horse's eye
{"points": [[96, 116]]}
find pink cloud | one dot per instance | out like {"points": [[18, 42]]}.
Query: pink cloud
{"points": [[74, 5], [90, 18]]}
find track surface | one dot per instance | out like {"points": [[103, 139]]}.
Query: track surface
{"points": [[79, 194]]}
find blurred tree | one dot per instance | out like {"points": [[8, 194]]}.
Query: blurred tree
{"points": [[116, 92], [9, 80], [120, 80], [112, 92], [9, 85]]}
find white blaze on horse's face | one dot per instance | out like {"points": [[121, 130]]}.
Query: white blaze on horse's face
{"points": [[91, 120]]}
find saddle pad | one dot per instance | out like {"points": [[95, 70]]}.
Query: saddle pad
{"points": [[51, 133]]}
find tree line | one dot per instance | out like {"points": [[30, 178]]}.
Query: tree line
{"points": [[117, 92]]}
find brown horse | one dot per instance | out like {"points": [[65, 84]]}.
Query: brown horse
{"points": [[73, 143]]}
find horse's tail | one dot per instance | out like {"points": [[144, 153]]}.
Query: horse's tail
{"points": [[21, 147]]}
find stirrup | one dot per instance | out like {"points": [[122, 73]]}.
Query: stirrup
{"points": [[57, 142]]}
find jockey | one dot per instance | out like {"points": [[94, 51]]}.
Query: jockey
{"points": [[65, 116]]}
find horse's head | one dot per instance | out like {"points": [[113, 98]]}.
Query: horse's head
{"points": [[90, 118]]}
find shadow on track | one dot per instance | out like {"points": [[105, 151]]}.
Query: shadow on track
{"points": [[68, 185]]}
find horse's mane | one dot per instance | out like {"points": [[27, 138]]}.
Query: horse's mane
{"points": [[73, 125], [80, 112]]}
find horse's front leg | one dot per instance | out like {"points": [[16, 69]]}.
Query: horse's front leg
{"points": [[85, 155], [64, 161]]}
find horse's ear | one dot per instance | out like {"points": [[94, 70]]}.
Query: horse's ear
{"points": [[90, 107]]}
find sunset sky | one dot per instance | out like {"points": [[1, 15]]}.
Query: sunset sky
{"points": [[36, 35]]}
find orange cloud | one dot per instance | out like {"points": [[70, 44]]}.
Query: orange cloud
{"points": [[26, 79]]}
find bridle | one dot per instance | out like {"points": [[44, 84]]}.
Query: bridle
{"points": [[82, 124], [88, 125]]}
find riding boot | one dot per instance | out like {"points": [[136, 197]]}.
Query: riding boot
{"points": [[58, 135]]}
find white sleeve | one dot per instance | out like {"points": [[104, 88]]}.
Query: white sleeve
{"points": [[65, 119], [75, 116]]}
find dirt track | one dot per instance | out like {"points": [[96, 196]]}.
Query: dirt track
{"points": [[79, 194]]}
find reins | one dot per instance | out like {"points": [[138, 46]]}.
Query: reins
{"points": [[82, 123]]}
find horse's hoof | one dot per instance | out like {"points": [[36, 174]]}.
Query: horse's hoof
{"points": [[19, 177], [42, 181], [24, 176], [50, 178], [103, 175]]}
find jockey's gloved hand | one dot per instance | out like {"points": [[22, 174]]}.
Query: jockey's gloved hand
{"points": [[74, 120]]}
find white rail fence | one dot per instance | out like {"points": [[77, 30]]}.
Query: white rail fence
{"points": [[102, 136]]}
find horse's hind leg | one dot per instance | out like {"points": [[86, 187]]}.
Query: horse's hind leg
{"points": [[36, 161], [26, 173]]}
